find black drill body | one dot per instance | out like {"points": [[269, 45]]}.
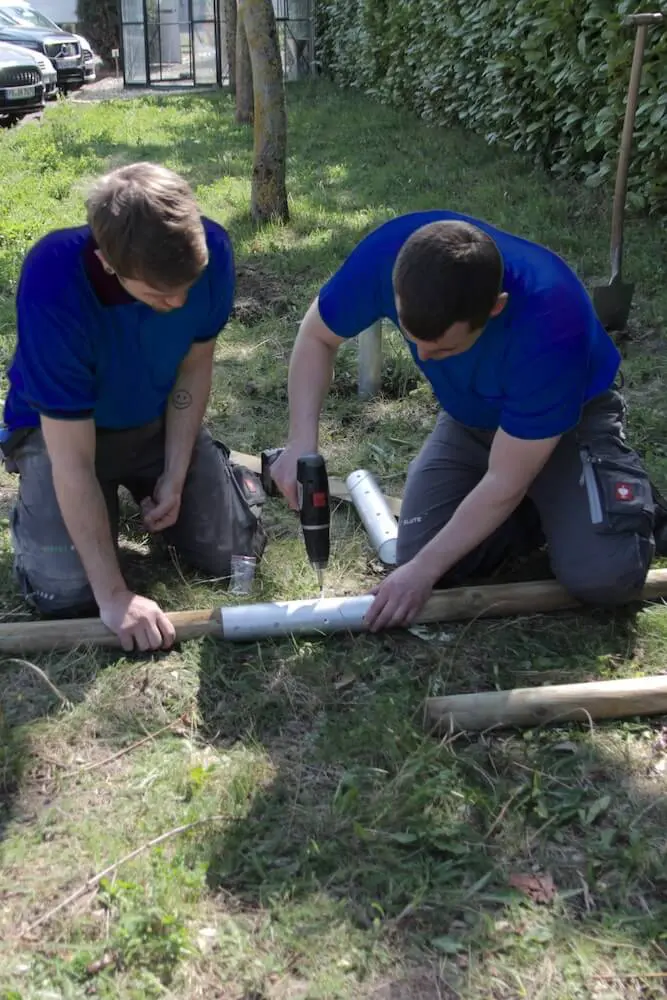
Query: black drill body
{"points": [[314, 505]]}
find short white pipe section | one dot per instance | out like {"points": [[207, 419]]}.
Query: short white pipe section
{"points": [[375, 515], [319, 616], [369, 361]]}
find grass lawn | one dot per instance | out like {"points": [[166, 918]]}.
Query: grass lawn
{"points": [[352, 854]]}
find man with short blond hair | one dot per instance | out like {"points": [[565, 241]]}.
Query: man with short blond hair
{"points": [[117, 324]]}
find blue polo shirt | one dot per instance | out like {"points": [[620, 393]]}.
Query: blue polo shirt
{"points": [[86, 348], [533, 367]]}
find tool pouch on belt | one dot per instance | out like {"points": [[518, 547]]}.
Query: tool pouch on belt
{"points": [[247, 536], [620, 495]]}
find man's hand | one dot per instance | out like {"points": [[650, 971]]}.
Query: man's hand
{"points": [[162, 509], [283, 473], [137, 621], [400, 597]]}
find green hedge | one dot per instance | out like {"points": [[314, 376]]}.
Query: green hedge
{"points": [[547, 77]]}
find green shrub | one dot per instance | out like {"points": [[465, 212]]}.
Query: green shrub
{"points": [[98, 22], [547, 77]]}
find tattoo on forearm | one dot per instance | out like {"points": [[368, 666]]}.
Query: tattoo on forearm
{"points": [[181, 399]]}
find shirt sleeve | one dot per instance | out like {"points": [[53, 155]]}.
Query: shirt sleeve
{"points": [[547, 372], [56, 361], [221, 276], [355, 296]]}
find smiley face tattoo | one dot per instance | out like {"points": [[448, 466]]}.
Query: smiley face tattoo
{"points": [[181, 399]]}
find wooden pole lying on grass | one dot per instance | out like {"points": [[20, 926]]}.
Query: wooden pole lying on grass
{"points": [[552, 703], [313, 617]]}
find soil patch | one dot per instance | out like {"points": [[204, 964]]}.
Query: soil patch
{"points": [[258, 295]]}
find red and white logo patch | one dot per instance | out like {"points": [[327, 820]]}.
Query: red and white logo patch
{"points": [[624, 492]]}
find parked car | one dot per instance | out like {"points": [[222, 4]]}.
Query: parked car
{"points": [[21, 85], [60, 47], [27, 16], [46, 67]]}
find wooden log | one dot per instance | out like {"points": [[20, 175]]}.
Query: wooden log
{"points": [[337, 487], [21, 638], [521, 707], [460, 604]]}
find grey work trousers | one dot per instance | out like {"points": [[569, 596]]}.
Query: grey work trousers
{"points": [[592, 503], [46, 563]]}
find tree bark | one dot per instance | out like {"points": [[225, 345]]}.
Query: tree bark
{"points": [[269, 192], [230, 43], [244, 81]]}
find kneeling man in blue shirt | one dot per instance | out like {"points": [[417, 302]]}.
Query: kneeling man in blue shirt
{"points": [[117, 324], [529, 444]]}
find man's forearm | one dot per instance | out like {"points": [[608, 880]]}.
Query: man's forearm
{"points": [[310, 373], [185, 413], [86, 518], [485, 508]]}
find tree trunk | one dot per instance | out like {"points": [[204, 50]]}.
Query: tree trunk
{"points": [[230, 42], [269, 193], [244, 81]]}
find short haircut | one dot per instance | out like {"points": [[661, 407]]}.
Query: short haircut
{"points": [[446, 272], [147, 225]]}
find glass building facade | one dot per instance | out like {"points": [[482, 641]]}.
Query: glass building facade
{"points": [[182, 42]]}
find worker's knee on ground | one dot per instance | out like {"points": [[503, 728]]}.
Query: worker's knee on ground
{"points": [[409, 542], [72, 598], [615, 579]]}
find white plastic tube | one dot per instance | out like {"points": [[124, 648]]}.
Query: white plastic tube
{"points": [[375, 515], [314, 617], [370, 361]]}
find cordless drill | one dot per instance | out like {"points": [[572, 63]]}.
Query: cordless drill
{"points": [[313, 498]]}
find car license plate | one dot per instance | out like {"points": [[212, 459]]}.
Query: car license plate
{"points": [[19, 93], [66, 62]]}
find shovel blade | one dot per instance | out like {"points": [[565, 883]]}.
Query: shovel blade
{"points": [[612, 304]]}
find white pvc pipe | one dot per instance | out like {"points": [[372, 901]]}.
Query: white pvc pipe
{"points": [[375, 515], [319, 616], [370, 361]]}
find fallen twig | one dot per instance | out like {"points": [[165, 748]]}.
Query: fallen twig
{"points": [[501, 815], [631, 975], [95, 880], [40, 673], [120, 753]]}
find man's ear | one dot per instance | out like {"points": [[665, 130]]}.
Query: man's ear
{"points": [[500, 304], [107, 267]]}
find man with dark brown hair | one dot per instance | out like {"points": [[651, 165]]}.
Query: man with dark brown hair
{"points": [[117, 325], [529, 445]]}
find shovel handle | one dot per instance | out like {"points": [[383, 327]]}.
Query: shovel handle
{"points": [[621, 187]]}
